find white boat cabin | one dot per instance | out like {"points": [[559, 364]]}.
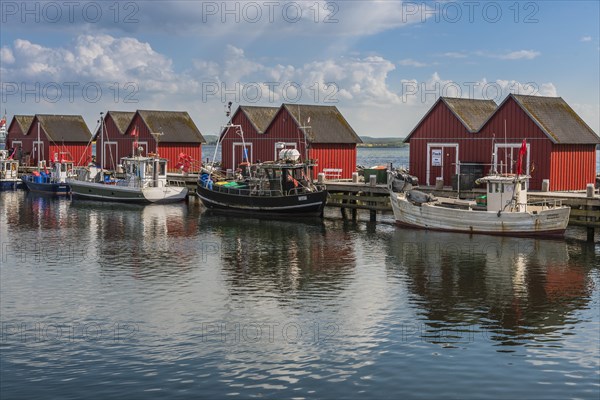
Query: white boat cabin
{"points": [[8, 168], [61, 170], [145, 171], [506, 192]]}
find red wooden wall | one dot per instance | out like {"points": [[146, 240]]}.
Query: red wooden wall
{"points": [[572, 166], [284, 129], [124, 145], [509, 125]]}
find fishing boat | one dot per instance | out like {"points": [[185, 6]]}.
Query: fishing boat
{"points": [[9, 169], [53, 182], [281, 187], [144, 181], [503, 210]]}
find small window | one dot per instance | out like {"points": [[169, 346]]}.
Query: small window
{"points": [[163, 168], [522, 185]]}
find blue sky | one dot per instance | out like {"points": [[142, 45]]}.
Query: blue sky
{"points": [[382, 63]]}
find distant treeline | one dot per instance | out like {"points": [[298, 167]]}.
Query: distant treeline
{"points": [[369, 141]]}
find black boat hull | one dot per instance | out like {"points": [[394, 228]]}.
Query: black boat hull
{"points": [[303, 204]]}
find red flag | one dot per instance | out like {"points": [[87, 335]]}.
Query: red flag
{"points": [[135, 132], [522, 152]]}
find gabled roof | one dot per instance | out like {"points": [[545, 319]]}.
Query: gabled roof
{"points": [[556, 119], [23, 121], [122, 119], [472, 113], [62, 128], [327, 124], [176, 126], [260, 117]]}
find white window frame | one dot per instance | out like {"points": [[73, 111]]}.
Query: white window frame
{"points": [[34, 151], [105, 152], [144, 144], [497, 146], [442, 145], [240, 144]]}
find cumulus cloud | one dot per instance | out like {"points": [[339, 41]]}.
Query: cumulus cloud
{"points": [[419, 93], [409, 62], [518, 55]]}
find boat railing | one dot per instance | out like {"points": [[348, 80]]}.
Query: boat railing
{"points": [[546, 203]]}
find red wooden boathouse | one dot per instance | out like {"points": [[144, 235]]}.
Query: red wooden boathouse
{"points": [[17, 138], [63, 137], [483, 137], [318, 132], [175, 131]]}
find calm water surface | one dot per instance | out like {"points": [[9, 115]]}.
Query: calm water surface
{"points": [[113, 301]]}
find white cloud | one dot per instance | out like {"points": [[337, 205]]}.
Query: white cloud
{"points": [[518, 55], [6, 55], [409, 62], [586, 39], [419, 93], [453, 54]]}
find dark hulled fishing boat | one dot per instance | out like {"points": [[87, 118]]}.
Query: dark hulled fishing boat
{"points": [[282, 187]]}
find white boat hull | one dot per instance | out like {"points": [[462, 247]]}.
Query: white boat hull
{"points": [[546, 222], [101, 191]]}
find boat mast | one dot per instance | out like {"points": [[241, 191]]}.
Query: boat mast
{"points": [[38, 145], [101, 139]]}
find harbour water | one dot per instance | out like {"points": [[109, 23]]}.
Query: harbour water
{"points": [[141, 302]]}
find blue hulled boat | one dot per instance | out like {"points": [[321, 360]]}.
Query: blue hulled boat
{"points": [[50, 182]]}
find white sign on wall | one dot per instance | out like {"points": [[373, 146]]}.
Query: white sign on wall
{"points": [[436, 158]]}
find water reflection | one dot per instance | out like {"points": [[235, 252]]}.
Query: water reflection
{"points": [[150, 241], [283, 258], [511, 290]]}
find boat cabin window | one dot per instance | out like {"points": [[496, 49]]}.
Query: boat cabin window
{"points": [[162, 171], [523, 185]]}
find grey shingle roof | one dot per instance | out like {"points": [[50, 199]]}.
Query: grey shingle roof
{"points": [[122, 119], [557, 119], [67, 128], [260, 117], [471, 112], [327, 124], [24, 122], [176, 126]]}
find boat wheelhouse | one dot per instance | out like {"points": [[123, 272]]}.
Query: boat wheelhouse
{"points": [[9, 170]]}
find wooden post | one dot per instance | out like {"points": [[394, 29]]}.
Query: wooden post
{"points": [[355, 177], [372, 180], [590, 234], [373, 216], [545, 185]]}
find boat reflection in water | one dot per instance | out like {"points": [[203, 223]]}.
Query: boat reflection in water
{"points": [[508, 290], [291, 255], [151, 240]]}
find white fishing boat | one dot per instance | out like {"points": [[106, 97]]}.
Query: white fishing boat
{"points": [[145, 181], [9, 169], [505, 211]]}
